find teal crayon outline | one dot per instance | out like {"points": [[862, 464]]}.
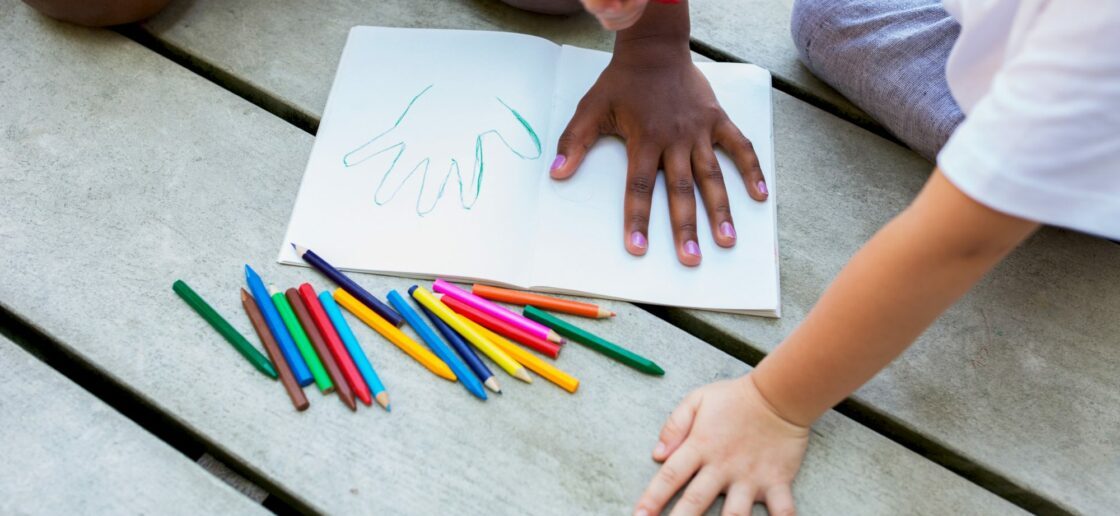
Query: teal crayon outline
{"points": [[478, 170]]}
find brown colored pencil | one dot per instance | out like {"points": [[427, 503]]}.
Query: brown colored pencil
{"points": [[286, 377], [320, 345]]}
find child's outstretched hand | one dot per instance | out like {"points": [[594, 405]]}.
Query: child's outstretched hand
{"points": [[728, 436], [664, 108]]}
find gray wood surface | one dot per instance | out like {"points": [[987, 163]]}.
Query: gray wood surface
{"points": [[1018, 377], [123, 172], [757, 31], [67, 452]]}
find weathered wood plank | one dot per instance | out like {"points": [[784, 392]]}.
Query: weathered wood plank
{"points": [[123, 172], [67, 452]]}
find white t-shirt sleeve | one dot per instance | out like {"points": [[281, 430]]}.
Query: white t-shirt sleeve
{"points": [[1044, 142]]}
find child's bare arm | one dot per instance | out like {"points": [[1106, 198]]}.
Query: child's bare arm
{"points": [[747, 437], [893, 288]]}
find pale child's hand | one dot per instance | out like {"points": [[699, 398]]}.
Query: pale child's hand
{"points": [[728, 436]]}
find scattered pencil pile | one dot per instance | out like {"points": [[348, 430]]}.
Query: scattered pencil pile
{"points": [[308, 340]]}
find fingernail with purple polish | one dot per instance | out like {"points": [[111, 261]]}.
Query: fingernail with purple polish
{"points": [[727, 230], [560, 160], [637, 239], [761, 186], [692, 248]]}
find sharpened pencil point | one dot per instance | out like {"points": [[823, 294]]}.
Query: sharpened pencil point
{"points": [[245, 296], [492, 384], [300, 250], [522, 375], [555, 337], [383, 400]]}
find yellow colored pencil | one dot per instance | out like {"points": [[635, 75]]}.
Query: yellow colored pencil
{"points": [[529, 360], [396, 336], [506, 362]]}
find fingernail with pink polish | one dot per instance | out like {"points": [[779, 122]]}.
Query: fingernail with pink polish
{"points": [[727, 230], [761, 187], [659, 449], [637, 239], [692, 248], [560, 160]]}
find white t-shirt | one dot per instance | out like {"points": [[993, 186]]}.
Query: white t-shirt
{"points": [[1039, 81]]}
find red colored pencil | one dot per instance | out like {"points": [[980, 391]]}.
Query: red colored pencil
{"points": [[550, 349], [334, 343]]}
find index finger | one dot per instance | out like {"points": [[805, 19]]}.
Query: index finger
{"points": [[669, 479]]}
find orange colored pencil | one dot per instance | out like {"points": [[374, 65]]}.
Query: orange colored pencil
{"points": [[555, 304], [394, 335], [525, 358]]}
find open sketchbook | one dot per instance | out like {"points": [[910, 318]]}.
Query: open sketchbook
{"points": [[433, 155]]}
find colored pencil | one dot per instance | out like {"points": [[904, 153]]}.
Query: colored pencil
{"points": [[466, 377], [550, 349], [462, 348], [593, 341], [276, 326], [349, 285], [334, 344], [506, 362], [287, 379], [394, 335], [322, 380], [224, 328], [369, 374], [555, 304], [530, 361], [499, 312], [321, 349]]}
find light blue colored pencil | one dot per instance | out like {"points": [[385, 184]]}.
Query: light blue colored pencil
{"points": [[355, 350]]}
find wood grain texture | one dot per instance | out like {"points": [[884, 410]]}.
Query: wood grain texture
{"points": [[111, 150]]}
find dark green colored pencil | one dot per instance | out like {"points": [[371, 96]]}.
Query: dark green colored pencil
{"points": [[593, 341], [239, 342]]}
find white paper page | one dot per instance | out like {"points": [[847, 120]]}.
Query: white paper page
{"points": [[581, 219], [406, 98]]}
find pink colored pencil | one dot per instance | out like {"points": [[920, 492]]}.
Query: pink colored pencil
{"points": [[497, 311]]}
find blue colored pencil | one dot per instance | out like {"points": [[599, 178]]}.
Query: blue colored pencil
{"points": [[276, 326], [469, 356], [349, 285], [352, 347], [466, 377]]}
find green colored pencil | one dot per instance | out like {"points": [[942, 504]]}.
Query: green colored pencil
{"points": [[593, 341], [231, 335], [318, 372]]}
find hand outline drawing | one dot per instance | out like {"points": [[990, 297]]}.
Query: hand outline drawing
{"points": [[392, 181]]}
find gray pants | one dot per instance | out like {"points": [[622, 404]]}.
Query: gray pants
{"points": [[887, 57]]}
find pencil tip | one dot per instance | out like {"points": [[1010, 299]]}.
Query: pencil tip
{"points": [[383, 400], [492, 384], [244, 295], [520, 374], [299, 249]]}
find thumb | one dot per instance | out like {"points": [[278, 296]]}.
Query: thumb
{"points": [[676, 428], [581, 133]]}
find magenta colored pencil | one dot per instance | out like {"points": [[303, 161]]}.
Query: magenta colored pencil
{"points": [[500, 312]]}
